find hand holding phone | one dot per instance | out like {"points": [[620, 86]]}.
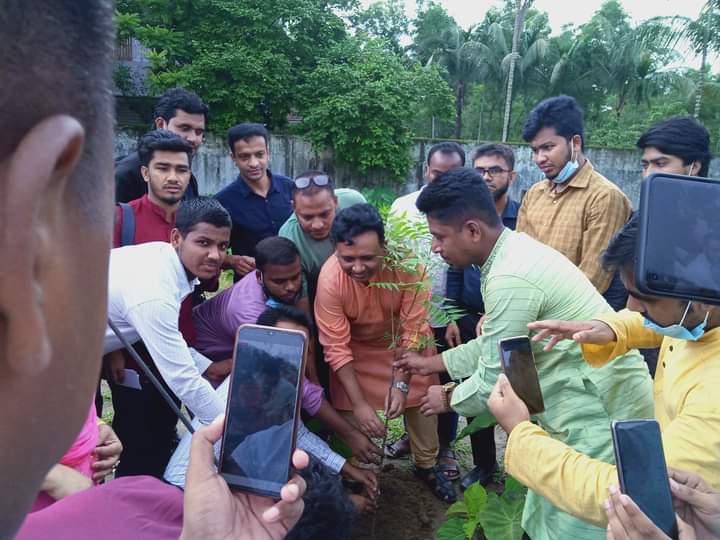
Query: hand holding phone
{"points": [[642, 471], [263, 409], [518, 364]]}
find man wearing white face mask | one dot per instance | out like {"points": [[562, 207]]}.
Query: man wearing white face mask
{"points": [[574, 209], [685, 391]]}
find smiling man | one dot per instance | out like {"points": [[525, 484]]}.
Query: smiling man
{"points": [[147, 284], [259, 202], [574, 209]]}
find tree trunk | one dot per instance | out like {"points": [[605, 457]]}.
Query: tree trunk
{"points": [[701, 80], [521, 10], [459, 103]]}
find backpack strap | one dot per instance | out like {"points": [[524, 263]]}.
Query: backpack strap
{"points": [[127, 227]]}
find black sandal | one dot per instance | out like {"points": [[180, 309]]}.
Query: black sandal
{"points": [[447, 464], [438, 483], [400, 449]]}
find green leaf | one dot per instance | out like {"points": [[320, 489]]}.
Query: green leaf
{"points": [[502, 516], [470, 526], [452, 529], [478, 423], [457, 509], [475, 499]]}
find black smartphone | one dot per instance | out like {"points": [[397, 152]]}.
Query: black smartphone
{"points": [[518, 364], [642, 471], [678, 253], [263, 409]]}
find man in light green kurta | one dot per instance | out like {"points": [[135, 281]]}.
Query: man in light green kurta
{"points": [[523, 281], [309, 226]]}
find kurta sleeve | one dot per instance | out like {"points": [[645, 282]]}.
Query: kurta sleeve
{"points": [[630, 332], [511, 304], [332, 323], [607, 214]]}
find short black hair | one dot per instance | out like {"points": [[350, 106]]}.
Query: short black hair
{"points": [[493, 149], [245, 132], [275, 250], [620, 253], [447, 148], [313, 188], [356, 220], [680, 136], [176, 99], [162, 139], [328, 511], [563, 113], [56, 58], [201, 210], [458, 195], [272, 316]]}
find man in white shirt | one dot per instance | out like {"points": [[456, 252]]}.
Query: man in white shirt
{"points": [[442, 157], [147, 284]]}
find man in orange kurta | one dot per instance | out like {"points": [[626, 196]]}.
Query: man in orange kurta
{"points": [[355, 323]]}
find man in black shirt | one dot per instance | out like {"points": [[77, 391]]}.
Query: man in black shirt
{"points": [[179, 111]]}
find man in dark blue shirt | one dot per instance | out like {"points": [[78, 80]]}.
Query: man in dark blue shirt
{"points": [[258, 201], [496, 163]]}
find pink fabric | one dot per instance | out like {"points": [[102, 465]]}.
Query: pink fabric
{"points": [[80, 456], [312, 397], [136, 507]]}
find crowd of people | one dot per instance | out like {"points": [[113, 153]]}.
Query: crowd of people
{"points": [[304, 255]]}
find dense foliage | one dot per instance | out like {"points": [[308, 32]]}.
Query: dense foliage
{"points": [[364, 81]]}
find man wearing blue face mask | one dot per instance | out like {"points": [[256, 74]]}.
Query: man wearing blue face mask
{"points": [[685, 391], [574, 209]]}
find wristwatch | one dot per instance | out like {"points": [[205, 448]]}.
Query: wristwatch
{"points": [[447, 393], [402, 386]]}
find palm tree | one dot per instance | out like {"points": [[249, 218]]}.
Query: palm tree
{"points": [[521, 7]]}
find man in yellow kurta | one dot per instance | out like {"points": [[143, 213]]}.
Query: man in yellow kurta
{"points": [[355, 320], [686, 386]]}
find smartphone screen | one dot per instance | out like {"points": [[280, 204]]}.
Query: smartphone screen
{"points": [[262, 410], [518, 363], [679, 248], [642, 471]]}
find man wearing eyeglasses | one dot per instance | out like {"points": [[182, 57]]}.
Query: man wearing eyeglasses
{"points": [[496, 164], [315, 201], [258, 201]]}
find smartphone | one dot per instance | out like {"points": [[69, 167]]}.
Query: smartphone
{"points": [[642, 471], [263, 409], [518, 364], [678, 252]]}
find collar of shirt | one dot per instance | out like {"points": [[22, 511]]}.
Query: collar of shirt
{"points": [[245, 190], [485, 268], [581, 180], [154, 208], [185, 285]]}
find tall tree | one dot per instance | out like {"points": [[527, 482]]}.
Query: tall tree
{"points": [[521, 7], [386, 20]]}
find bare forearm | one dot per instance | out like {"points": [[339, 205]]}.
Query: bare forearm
{"points": [[332, 418], [347, 377]]}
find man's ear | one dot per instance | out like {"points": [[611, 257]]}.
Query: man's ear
{"points": [[474, 229], [258, 275], [176, 238], [160, 123], [145, 172], [33, 186]]}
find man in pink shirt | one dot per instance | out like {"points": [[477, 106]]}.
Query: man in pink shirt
{"points": [[354, 322]]}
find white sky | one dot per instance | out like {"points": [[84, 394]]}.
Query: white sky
{"points": [[562, 12]]}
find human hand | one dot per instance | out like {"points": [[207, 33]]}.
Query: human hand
{"points": [[107, 453], [434, 401], [362, 447], [241, 264], [395, 403], [213, 512], [696, 503], [115, 367], [363, 476], [452, 335], [416, 364], [368, 421], [505, 405], [62, 481], [595, 332], [479, 325], [217, 371], [627, 522]]}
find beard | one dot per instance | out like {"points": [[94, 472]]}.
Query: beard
{"points": [[500, 192]]}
